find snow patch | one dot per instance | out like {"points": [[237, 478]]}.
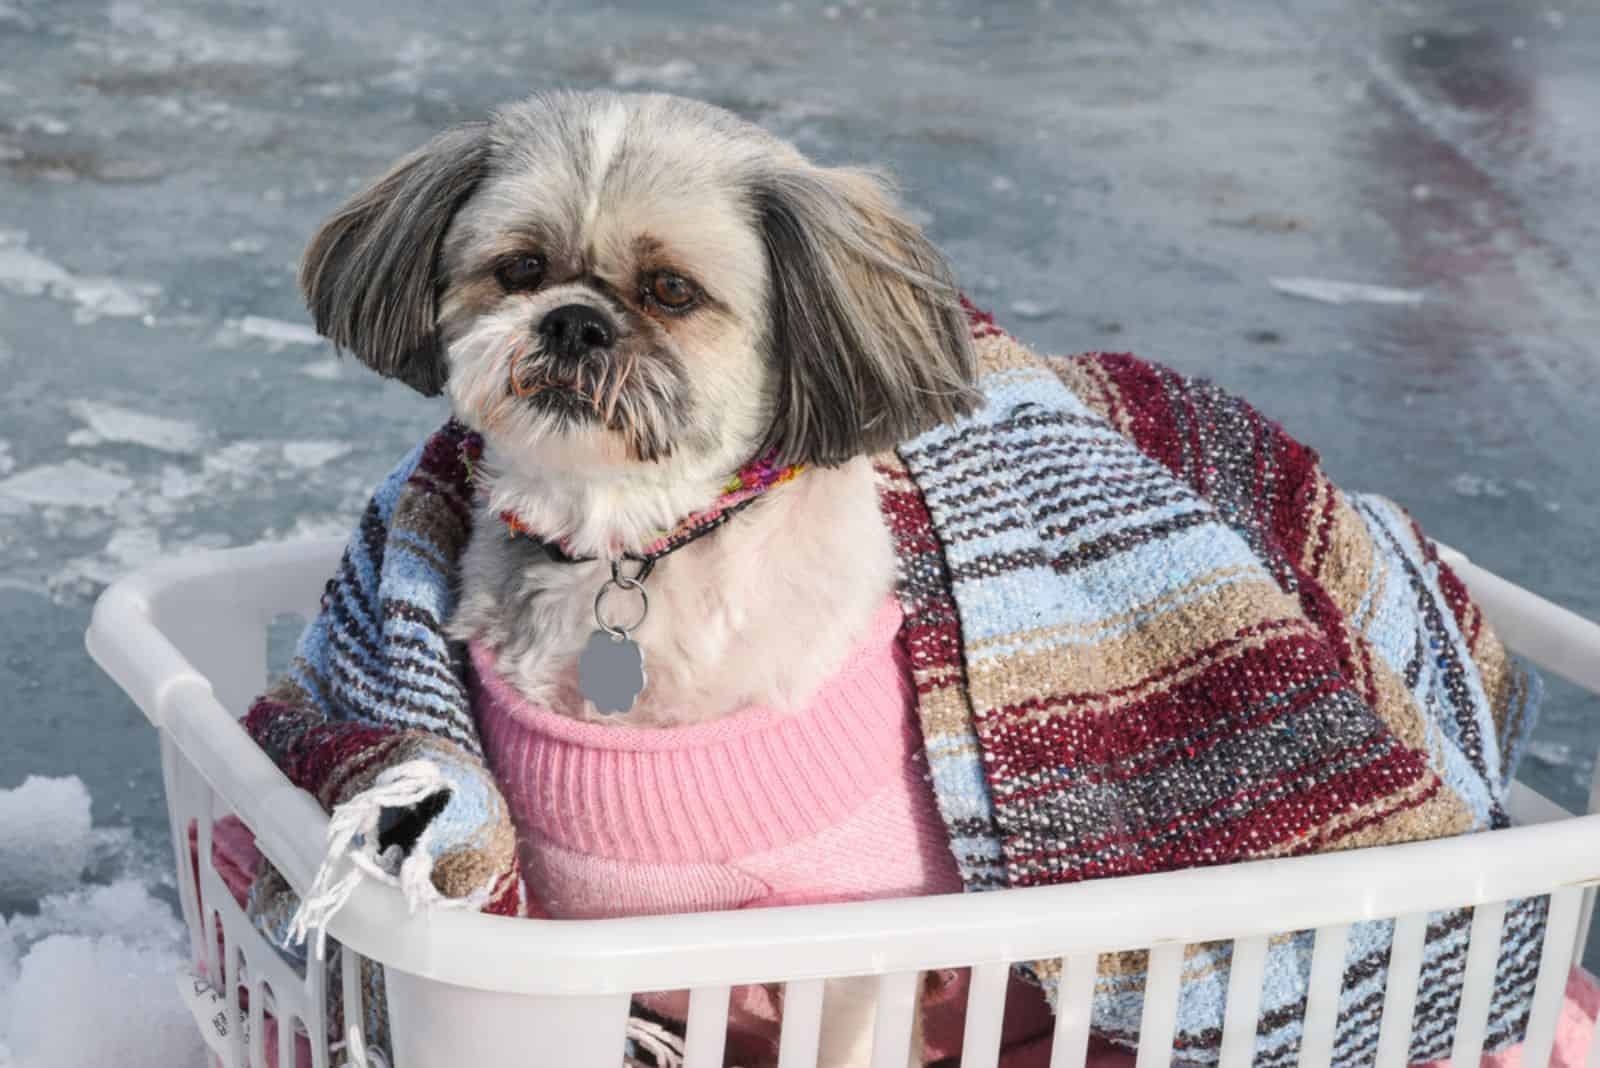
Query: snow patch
{"points": [[28, 273], [1466, 485], [177, 484], [1550, 754], [1328, 291], [323, 370], [123, 987], [276, 332], [110, 423], [1032, 309], [126, 550], [152, 38], [73, 484], [673, 74], [309, 454], [48, 125], [99, 298], [86, 977], [7, 464], [310, 528], [44, 839]]}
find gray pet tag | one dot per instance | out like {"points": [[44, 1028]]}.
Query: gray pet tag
{"points": [[611, 668], [611, 672]]}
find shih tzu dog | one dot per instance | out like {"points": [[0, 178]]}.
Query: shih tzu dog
{"points": [[680, 341]]}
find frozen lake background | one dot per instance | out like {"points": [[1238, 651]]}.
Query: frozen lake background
{"points": [[1178, 180]]}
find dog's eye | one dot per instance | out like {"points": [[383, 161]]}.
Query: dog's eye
{"points": [[520, 272], [672, 291]]}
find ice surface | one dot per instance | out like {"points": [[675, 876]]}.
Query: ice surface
{"points": [[44, 838], [73, 484], [1331, 292], [110, 422]]}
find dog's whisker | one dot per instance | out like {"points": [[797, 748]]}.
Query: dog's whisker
{"points": [[619, 378]]}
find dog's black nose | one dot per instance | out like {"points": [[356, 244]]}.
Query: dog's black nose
{"points": [[574, 330]]}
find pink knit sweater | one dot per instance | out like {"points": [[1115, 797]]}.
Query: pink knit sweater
{"points": [[766, 807]]}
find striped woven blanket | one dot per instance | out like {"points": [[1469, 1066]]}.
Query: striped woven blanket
{"points": [[1147, 634]]}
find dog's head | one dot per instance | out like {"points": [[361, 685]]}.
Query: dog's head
{"points": [[603, 279]]}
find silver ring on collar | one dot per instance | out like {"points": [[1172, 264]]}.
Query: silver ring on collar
{"points": [[619, 581]]}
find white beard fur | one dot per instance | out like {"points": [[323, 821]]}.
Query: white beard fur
{"points": [[761, 611]]}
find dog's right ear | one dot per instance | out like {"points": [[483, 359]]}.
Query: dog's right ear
{"points": [[371, 275]]}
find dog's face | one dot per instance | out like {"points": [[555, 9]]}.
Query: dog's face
{"points": [[604, 279]]}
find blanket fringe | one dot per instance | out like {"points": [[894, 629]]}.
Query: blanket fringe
{"points": [[353, 841], [357, 1055], [664, 1047]]}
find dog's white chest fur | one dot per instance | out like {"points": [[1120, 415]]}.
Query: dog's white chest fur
{"points": [[762, 611]]}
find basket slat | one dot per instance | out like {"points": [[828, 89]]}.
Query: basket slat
{"points": [[230, 979], [176, 774], [258, 1020], [707, 1030], [1555, 959], [1244, 1002], [355, 1017], [802, 1019], [1069, 1047], [1400, 995], [1477, 988], [986, 1008], [316, 1011], [1322, 998], [1160, 1006], [285, 1040], [897, 1010]]}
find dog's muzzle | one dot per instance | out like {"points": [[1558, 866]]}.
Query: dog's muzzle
{"points": [[573, 369]]}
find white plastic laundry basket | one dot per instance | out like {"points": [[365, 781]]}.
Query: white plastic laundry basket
{"points": [[187, 641]]}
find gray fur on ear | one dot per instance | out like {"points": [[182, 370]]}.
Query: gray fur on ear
{"points": [[866, 325], [371, 273]]}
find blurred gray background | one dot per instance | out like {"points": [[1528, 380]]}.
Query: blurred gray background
{"points": [[1119, 175]]}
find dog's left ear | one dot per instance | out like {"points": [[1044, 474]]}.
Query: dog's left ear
{"points": [[371, 274], [866, 325]]}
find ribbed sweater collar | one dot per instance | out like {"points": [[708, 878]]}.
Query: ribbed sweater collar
{"points": [[708, 791]]}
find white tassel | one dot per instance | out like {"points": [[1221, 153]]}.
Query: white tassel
{"points": [[665, 1047], [353, 838]]}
